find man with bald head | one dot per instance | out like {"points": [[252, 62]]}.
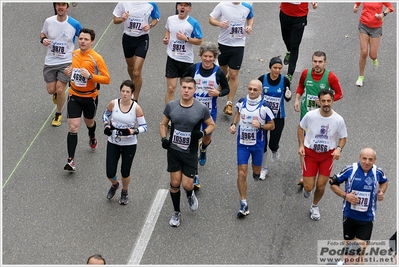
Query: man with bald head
{"points": [[253, 115], [365, 183]]}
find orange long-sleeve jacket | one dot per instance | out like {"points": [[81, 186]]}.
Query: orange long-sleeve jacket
{"points": [[94, 63]]}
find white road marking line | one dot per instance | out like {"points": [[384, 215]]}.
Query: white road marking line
{"points": [[146, 232]]}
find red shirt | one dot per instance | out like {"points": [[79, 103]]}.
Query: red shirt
{"points": [[332, 81], [369, 10], [295, 9]]}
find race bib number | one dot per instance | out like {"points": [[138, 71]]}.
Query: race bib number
{"points": [[247, 136], [363, 203], [181, 139], [179, 48], [236, 30], [135, 25], [311, 102], [320, 146], [207, 101], [59, 49], [77, 78], [274, 103]]}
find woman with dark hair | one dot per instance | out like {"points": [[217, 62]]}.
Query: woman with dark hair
{"points": [[275, 88], [127, 122]]}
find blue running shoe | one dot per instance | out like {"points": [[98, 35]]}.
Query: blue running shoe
{"points": [[197, 184], [244, 211], [202, 157]]}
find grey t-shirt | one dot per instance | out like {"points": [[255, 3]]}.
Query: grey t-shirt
{"points": [[184, 121]]}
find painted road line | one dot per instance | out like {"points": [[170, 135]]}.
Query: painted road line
{"points": [[148, 228]]}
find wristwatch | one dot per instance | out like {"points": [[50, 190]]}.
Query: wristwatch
{"points": [[187, 39], [90, 77]]}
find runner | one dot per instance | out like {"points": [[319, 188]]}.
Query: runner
{"points": [[137, 18], [58, 35], [253, 116], [235, 20]]}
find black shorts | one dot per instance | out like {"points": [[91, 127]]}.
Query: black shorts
{"points": [[359, 229], [175, 69], [231, 56], [186, 162], [135, 46], [76, 105]]}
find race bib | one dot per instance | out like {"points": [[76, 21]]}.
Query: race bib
{"points": [[77, 78], [207, 101], [364, 200], [320, 146], [179, 48], [274, 103], [236, 30], [58, 49], [311, 102], [135, 25], [181, 139]]}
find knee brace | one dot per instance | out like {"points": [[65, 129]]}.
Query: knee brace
{"points": [[174, 188]]}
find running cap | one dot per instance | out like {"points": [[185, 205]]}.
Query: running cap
{"points": [[275, 60], [188, 3]]}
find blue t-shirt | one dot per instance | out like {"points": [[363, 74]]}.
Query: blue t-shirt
{"points": [[365, 186]]}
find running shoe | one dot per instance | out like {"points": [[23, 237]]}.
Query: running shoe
{"points": [[228, 109], [375, 64], [275, 156], [193, 202], [287, 58], [263, 174], [124, 200], [56, 120], [314, 213], [70, 166], [305, 194], [54, 98], [202, 156], [175, 220], [289, 77], [196, 182], [112, 191], [244, 211], [93, 143], [359, 81]]}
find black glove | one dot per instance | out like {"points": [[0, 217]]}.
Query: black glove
{"points": [[124, 132], [197, 134], [135, 131], [108, 129], [165, 143]]}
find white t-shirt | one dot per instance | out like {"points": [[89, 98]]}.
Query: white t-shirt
{"points": [[180, 50], [62, 36], [322, 133], [139, 16], [236, 15]]}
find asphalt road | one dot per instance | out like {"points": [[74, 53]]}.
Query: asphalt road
{"points": [[53, 217]]}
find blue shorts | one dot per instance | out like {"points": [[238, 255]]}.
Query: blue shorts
{"points": [[214, 115], [243, 153]]}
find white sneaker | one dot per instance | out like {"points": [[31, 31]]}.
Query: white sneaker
{"points": [[306, 194], [193, 202], [314, 213], [275, 156], [359, 81], [263, 174]]}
